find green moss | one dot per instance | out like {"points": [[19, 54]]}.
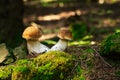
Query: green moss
{"points": [[79, 30], [20, 72], [23, 62], [53, 65], [111, 45], [21, 69], [5, 72]]}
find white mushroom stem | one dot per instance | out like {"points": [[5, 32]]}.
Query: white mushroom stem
{"points": [[36, 47], [61, 45]]}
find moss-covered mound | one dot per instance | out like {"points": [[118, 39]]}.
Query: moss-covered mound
{"points": [[111, 45], [49, 66]]}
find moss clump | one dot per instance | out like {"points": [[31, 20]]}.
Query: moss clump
{"points": [[20, 68], [79, 30], [53, 65], [111, 45]]}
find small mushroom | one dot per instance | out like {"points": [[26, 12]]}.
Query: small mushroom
{"points": [[32, 34], [65, 35]]}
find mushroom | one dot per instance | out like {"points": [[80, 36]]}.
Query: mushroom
{"points": [[32, 34], [65, 35]]}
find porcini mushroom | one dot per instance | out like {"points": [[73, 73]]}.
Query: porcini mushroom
{"points": [[65, 35], [32, 34]]}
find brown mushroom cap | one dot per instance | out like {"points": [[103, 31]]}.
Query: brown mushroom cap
{"points": [[32, 33], [65, 33]]}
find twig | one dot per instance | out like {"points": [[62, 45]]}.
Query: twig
{"points": [[77, 60], [73, 69], [100, 57]]}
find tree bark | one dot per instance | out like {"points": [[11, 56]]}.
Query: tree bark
{"points": [[11, 25]]}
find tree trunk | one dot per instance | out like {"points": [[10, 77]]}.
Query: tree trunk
{"points": [[11, 25]]}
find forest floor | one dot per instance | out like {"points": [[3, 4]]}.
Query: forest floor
{"points": [[102, 19], [104, 68]]}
